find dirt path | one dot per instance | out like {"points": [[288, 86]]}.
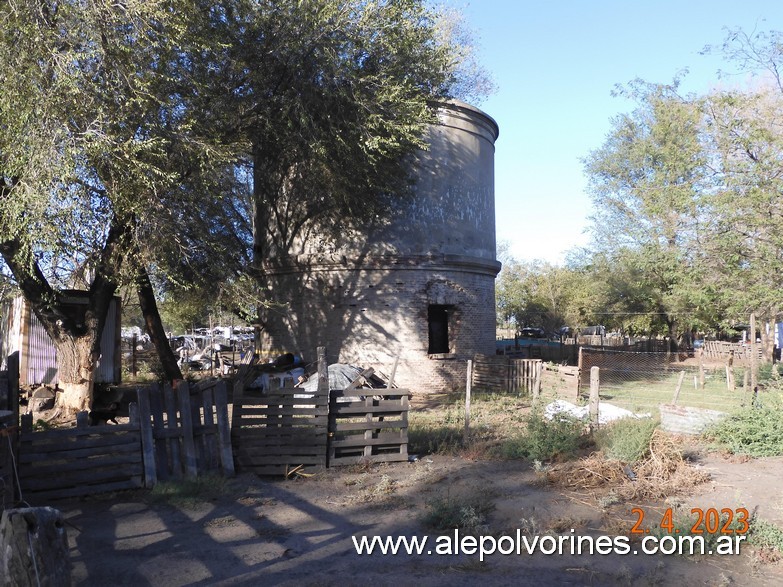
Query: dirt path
{"points": [[299, 532]]}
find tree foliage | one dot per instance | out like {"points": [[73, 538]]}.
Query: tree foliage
{"points": [[171, 145]]}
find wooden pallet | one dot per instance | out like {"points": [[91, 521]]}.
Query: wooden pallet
{"points": [[368, 425]]}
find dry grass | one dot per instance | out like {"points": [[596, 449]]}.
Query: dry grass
{"points": [[663, 472]]}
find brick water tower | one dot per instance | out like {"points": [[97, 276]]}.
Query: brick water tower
{"points": [[420, 287]]}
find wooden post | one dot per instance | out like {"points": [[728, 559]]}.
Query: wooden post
{"points": [[701, 368], [173, 434], [730, 384], [594, 398], [677, 389], [34, 547], [579, 373], [468, 389], [754, 367], [323, 391], [745, 380], [538, 367]]}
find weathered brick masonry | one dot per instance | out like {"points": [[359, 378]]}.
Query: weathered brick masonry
{"points": [[421, 287]]}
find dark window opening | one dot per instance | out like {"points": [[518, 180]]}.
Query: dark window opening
{"points": [[438, 322]]}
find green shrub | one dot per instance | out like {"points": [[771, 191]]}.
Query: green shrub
{"points": [[466, 513], [627, 439], [765, 535], [544, 439], [755, 431]]}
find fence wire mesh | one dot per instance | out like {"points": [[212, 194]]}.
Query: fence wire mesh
{"points": [[640, 381]]}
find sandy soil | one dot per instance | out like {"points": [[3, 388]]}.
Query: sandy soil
{"points": [[299, 531]]}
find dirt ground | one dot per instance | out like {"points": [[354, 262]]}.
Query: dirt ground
{"points": [[299, 531]]}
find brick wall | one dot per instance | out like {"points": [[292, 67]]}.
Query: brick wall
{"points": [[368, 316]]}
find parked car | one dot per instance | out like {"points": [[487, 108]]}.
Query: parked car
{"points": [[531, 332]]}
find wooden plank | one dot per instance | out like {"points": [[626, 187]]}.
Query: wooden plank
{"points": [[94, 462], [207, 432], [350, 426], [198, 440], [68, 478], [43, 497], [360, 441], [277, 421], [276, 439], [155, 395], [342, 410], [224, 431], [147, 441], [289, 450], [67, 449], [173, 443], [257, 459], [362, 393], [275, 411], [58, 434], [30, 457], [188, 443]]}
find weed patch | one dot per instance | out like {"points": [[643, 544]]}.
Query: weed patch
{"points": [[767, 537], [465, 513], [545, 440], [754, 431], [627, 439]]}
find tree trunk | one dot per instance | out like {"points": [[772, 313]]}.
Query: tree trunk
{"points": [[76, 373], [154, 325]]}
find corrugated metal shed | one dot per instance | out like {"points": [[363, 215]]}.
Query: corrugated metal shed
{"points": [[20, 330]]}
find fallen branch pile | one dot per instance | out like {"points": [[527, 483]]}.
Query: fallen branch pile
{"points": [[661, 473]]}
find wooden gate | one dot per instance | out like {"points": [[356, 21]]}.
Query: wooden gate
{"points": [[502, 374], [189, 432]]}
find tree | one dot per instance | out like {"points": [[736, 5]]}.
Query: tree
{"points": [[746, 144], [93, 149], [128, 131], [646, 181], [328, 100]]}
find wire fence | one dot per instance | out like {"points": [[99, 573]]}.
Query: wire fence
{"points": [[640, 382]]}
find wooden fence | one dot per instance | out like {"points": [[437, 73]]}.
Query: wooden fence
{"points": [[722, 351], [74, 462], [170, 434], [9, 429], [502, 374], [280, 431]]}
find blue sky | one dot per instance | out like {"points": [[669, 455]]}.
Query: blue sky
{"points": [[555, 64]]}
